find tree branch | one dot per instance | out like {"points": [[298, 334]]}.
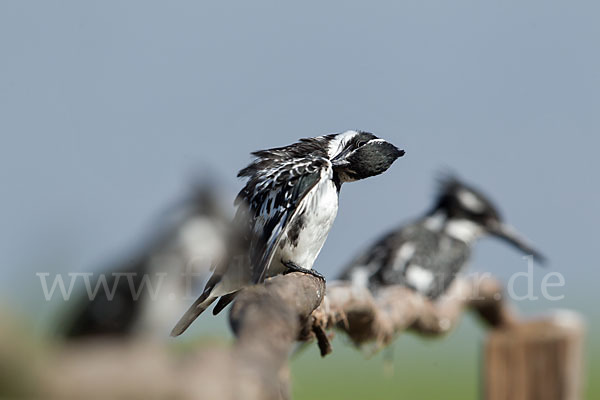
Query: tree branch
{"points": [[267, 320], [394, 309]]}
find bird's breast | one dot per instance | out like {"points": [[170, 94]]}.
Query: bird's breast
{"points": [[310, 226]]}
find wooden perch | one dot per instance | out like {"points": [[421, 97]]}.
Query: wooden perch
{"points": [[267, 320], [365, 318]]}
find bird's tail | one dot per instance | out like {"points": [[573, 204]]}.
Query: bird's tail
{"points": [[223, 283], [203, 302]]}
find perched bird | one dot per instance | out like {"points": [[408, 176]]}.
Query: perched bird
{"points": [[286, 209], [142, 292], [427, 255]]}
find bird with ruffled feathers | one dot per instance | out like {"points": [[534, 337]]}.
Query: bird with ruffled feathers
{"points": [[286, 209]]}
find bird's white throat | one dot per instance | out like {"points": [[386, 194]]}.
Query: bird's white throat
{"points": [[464, 230]]}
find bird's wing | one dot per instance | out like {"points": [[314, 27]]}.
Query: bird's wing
{"points": [[367, 267], [450, 259], [270, 199], [413, 256], [423, 260], [278, 181]]}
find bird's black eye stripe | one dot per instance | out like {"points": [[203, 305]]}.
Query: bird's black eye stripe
{"points": [[361, 139], [360, 142]]}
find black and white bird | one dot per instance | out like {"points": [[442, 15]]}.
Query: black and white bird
{"points": [[286, 209], [427, 255], [142, 292]]}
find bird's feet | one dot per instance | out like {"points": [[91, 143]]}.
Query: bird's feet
{"points": [[292, 267]]}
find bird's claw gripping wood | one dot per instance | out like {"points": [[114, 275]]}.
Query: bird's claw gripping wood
{"points": [[294, 268]]}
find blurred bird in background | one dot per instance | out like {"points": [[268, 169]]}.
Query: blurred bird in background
{"points": [[153, 286], [427, 254], [286, 209]]}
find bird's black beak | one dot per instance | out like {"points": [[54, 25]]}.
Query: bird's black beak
{"points": [[510, 235], [340, 159]]}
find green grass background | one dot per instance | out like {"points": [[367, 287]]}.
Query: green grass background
{"points": [[414, 368]]}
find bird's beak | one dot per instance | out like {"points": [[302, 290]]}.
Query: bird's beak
{"points": [[510, 235], [340, 160]]}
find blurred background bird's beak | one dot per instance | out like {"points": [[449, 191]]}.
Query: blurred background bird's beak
{"points": [[511, 236]]}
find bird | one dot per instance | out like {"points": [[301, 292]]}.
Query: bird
{"points": [[426, 255], [286, 209], [187, 237]]}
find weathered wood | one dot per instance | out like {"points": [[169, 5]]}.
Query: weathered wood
{"points": [[267, 320], [540, 359], [380, 318]]}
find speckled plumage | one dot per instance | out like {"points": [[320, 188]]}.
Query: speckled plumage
{"points": [[287, 207], [413, 247], [428, 254]]}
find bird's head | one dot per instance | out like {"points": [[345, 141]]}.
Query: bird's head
{"points": [[357, 155], [462, 204]]}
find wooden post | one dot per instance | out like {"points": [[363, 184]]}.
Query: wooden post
{"points": [[540, 359]]}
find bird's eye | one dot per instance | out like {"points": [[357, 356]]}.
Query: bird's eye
{"points": [[361, 143]]}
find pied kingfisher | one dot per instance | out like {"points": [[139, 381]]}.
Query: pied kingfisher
{"points": [[286, 209], [144, 289], [426, 255]]}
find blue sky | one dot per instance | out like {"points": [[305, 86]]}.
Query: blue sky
{"points": [[108, 108]]}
